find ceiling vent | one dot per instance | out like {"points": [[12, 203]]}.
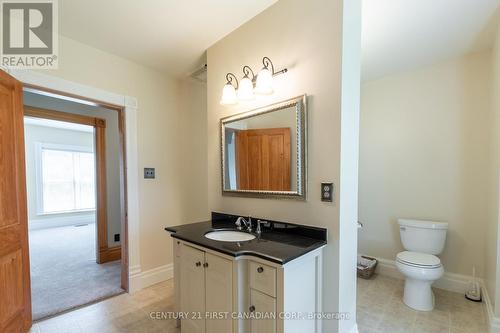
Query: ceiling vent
{"points": [[200, 74]]}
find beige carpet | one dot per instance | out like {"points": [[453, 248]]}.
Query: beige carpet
{"points": [[64, 274]]}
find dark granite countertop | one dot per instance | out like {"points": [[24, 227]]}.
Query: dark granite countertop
{"points": [[279, 242]]}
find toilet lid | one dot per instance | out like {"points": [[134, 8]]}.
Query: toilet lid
{"points": [[417, 258]]}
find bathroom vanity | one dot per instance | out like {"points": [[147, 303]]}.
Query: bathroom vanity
{"points": [[268, 284]]}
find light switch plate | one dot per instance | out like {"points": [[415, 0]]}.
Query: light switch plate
{"points": [[149, 173], [327, 192]]}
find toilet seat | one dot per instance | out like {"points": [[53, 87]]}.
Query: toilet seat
{"points": [[417, 259]]}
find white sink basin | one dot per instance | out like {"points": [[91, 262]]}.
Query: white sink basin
{"points": [[229, 236]]}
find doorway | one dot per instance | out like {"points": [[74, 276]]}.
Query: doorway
{"points": [[15, 279], [74, 206]]}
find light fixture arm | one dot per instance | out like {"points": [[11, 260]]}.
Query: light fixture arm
{"points": [[247, 70], [229, 79], [267, 62]]}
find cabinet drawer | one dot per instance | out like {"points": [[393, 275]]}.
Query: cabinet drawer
{"points": [[266, 306], [263, 278]]}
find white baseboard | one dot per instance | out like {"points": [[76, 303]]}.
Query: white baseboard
{"points": [[494, 322], [450, 281], [134, 278], [142, 279], [388, 268], [60, 221]]}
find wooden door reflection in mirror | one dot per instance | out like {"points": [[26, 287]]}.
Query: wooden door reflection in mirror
{"points": [[263, 159]]}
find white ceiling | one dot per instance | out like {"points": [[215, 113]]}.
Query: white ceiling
{"points": [[168, 35], [400, 35], [172, 35]]}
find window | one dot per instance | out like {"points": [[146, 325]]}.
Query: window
{"points": [[66, 178]]}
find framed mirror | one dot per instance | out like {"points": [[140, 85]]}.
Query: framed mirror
{"points": [[264, 151]]}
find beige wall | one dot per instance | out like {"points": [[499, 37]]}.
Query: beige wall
{"points": [[159, 115], [306, 37], [193, 141], [424, 154], [492, 270]]}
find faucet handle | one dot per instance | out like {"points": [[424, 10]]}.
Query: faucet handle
{"points": [[259, 230], [238, 223]]}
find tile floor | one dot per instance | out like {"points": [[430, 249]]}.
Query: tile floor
{"points": [[120, 314], [381, 309]]}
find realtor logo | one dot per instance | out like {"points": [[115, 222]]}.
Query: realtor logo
{"points": [[29, 34]]}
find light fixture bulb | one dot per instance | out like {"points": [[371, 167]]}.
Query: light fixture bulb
{"points": [[228, 95], [245, 91], [264, 85]]}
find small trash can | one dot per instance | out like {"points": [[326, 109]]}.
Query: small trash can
{"points": [[366, 266]]}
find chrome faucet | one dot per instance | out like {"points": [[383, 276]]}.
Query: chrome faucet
{"points": [[246, 223], [258, 230]]}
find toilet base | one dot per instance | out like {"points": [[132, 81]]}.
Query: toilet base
{"points": [[418, 294]]}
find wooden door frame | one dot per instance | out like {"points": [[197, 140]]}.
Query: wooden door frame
{"points": [[103, 252], [99, 125], [128, 108]]}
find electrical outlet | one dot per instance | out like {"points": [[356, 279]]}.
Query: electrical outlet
{"points": [[327, 192], [149, 173], [117, 237]]}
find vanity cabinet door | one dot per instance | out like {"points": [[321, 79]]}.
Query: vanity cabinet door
{"points": [[263, 306], [219, 293], [192, 289]]}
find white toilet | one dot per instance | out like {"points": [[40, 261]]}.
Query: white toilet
{"points": [[422, 240]]}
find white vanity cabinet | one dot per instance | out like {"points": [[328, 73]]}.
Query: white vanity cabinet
{"points": [[245, 294]]}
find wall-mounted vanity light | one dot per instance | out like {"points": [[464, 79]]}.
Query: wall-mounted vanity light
{"points": [[229, 91], [245, 92], [263, 83]]}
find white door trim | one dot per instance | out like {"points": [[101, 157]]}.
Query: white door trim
{"points": [[130, 108]]}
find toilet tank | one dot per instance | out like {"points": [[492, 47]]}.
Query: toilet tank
{"points": [[423, 236]]}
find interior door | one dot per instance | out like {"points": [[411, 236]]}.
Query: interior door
{"points": [[193, 290], [263, 159], [15, 291], [219, 293]]}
